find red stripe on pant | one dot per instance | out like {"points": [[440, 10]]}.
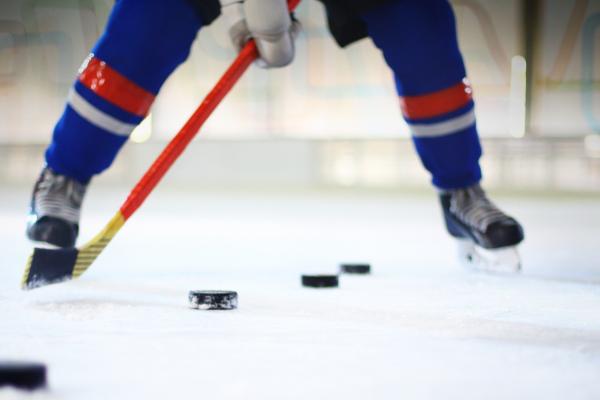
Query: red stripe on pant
{"points": [[115, 88], [438, 103]]}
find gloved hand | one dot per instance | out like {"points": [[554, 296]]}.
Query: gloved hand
{"points": [[268, 22]]}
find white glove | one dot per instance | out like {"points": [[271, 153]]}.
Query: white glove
{"points": [[268, 22]]}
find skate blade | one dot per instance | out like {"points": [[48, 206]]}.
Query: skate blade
{"points": [[502, 260]]}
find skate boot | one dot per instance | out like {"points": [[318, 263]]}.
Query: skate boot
{"points": [[487, 237], [54, 212]]}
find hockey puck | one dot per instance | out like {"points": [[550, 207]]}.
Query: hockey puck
{"points": [[213, 299], [356, 268], [320, 281], [22, 375]]}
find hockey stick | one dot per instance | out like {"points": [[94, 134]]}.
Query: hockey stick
{"points": [[47, 266]]}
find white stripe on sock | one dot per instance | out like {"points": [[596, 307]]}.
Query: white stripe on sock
{"points": [[443, 128], [97, 117]]}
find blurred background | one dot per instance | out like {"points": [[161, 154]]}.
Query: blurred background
{"points": [[332, 119]]}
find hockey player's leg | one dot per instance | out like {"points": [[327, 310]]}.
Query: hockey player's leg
{"points": [[144, 41], [418, 41]]}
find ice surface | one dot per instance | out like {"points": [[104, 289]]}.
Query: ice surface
{"points": [[419, 327]]}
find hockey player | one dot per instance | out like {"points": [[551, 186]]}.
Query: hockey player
{"points": [[145, 40]]}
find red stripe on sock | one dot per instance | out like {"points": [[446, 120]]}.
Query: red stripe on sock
{"points": [[437, 103], [113, 87]]}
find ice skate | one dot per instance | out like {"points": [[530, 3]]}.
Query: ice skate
{"points": [[55, 209], [487, 237]]}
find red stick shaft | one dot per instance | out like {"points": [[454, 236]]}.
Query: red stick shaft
{"points": [[183, 138]]}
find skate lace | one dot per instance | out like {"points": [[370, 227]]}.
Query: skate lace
{"points": [[474, 209], [61, 186], [59, 196]]}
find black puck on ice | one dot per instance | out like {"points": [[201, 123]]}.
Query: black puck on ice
{"points": [[320, 281], [22, 375], [355, 268], [213, 299]]}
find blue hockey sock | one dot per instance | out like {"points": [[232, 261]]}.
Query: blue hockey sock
{"points": [[143, 43], [419, 43]]}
